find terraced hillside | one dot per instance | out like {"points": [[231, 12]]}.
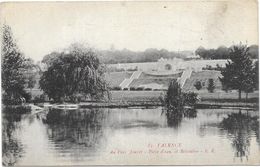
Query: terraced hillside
{"points": [[147, 75], [115, 78], [203, 77], [154, 81]]}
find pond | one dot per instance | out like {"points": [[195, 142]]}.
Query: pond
{"points": [[130, 136]]}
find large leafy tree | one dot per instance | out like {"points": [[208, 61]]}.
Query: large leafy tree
{"points": [[72, 72], [238, 73], [13, 65]]}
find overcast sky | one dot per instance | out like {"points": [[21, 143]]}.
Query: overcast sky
{"points": [[41, 28]]}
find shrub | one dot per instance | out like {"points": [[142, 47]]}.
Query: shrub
{"points": [[116, 88], [148, 89], [125, 89], [190, 99], [39, 99], [140, 88], [175, 102], [198, 85], [157, 89], [211, 86], [132, 88]]}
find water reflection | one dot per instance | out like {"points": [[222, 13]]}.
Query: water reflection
{"points": [[174, 119], [75, 130], [240, 127], [86, 136], [12, 148]]}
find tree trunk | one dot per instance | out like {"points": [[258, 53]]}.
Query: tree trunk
{"points": [[239, 94]]}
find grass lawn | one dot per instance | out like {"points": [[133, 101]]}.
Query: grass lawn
{"points": [[135, 95], [154, 95]]}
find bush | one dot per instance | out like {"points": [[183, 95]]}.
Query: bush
{"points": [[175, 103], [198, 85], [6, 99], [116, 88], [211, 86], [157, 89], [148, 89], [132, 88], [140, 88], [39, 99], [125, 89], [190, 99]]}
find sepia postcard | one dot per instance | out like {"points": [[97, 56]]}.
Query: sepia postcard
{"points": [[130, 83]]}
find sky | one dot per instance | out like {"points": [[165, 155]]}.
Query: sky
{"points": [[42, 27]]}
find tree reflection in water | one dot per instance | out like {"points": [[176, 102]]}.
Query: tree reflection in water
{"points": [[175, 118], [12, 148], [73, 128], [240, 128]]}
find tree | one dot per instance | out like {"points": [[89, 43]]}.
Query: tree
{"points": [[198, 85], [76, 71], [49, 58], [174, 103], [31, 82], [202, 52], [238, 73], [13, 65], [253, 51], [256, 75], [211, 85], [221, 53]]}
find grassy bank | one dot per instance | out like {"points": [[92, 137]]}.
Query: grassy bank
{"points": [[205, 96], [152, 98], [215, 100]]}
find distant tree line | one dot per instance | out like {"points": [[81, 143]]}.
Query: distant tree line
{"points": [[149, 55], [223, 52], [114, 56]]}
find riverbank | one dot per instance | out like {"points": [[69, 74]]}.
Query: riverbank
{"points": [[146, 99]]}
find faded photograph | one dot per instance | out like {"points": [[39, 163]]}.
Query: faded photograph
{"points": [[130, 83]]}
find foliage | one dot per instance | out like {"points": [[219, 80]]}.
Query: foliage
{"points": [[140, 88], [149, 55], [209, 67], [13, 65], [219, 53], [198, 85], [49, 58], [39, 99], [31, 82], [132, 88], [76, 71], [211, 85], [238, 73], [256, 75], [116, 88], [148, 89], [190, 98], [222, 52], [175, 102]]}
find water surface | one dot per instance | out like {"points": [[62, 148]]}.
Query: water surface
{"points": [[130, 136]]}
